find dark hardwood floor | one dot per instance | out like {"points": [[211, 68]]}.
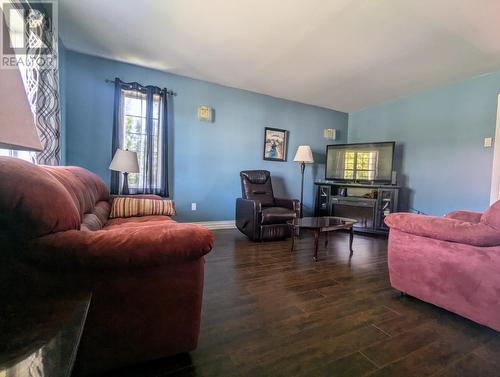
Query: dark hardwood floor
{"points": [[268, 312]]}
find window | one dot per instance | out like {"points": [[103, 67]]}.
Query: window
{"points": [[137, 138], [141, 126], [23, 155], [360, 165]]}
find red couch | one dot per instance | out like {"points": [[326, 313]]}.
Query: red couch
{"points": [[146, 273], [452, 261]]}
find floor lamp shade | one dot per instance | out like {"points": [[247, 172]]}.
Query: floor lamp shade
{"points": [[304, 154], [17, 124]]}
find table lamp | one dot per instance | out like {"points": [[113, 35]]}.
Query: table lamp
{"points": [[304, 156], [125, 161]]}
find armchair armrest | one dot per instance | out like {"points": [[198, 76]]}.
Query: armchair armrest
{"points": [[444, 228], [122, 248], [468, 216], [248, 214], [292, 204]]}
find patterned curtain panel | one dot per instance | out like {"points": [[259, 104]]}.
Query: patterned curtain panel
{"points": [[41, 79], [141, 120]]}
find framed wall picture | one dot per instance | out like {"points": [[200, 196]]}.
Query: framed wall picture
{"points": [[275, 144]]}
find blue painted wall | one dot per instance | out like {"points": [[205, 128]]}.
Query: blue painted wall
{"points": [[439, 133], [207, 157]]}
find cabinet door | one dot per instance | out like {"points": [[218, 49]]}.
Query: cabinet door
{"points": [[323, 201], [386, 205]]}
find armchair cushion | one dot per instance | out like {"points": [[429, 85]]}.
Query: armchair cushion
{"points": [[445, 229], [131, 207], [277, 215], [492, 216], [468, 216]]}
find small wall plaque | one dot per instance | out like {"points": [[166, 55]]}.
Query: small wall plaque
{"points": [[330, 133], [205, 114]]}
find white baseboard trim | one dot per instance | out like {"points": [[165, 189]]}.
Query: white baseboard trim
{"points": [[215, 225]]}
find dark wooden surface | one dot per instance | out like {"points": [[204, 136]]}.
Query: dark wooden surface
{"points": [[324, 223], [39, 336], [269, 312]]}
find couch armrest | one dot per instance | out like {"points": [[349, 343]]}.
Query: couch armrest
{"points": [[445, 229], [468, 216], [292, 204], [123, 248], [248, 214]]}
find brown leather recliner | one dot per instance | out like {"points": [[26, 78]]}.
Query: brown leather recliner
{"points": [[259, 215]]}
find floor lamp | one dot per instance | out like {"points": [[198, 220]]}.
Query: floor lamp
{"points": [[304, 156]]}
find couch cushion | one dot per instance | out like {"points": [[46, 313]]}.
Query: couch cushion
{"points": [[121, 247], [33, 202], [143, 221], [277, 215], [86, 189], [97, 218]]}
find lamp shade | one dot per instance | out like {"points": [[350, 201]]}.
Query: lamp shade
{"points": [[17, 125], [304, 154], [125, 161]]}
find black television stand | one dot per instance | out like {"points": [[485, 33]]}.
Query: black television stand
{"points": [[365, 202]]}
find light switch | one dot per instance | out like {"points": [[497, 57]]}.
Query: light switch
{"points": [[488, 141], [193, 206]]}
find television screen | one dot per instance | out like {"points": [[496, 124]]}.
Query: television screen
{"points": [[370, 162]]}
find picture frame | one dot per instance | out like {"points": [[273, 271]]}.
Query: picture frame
{"points": [[275, 144]]}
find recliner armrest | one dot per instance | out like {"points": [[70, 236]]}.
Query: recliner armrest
{"points": [[248, 214], [292, 204], [444, 229]]}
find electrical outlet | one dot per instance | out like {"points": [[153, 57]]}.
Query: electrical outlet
{"points": [[193, 206], [488, 141]]}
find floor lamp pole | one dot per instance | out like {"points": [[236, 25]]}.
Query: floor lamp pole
{"points": [[302, 168]]}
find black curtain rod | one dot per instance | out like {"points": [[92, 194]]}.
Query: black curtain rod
{"points": [[169, 92]]}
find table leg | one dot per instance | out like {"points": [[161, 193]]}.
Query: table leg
{"points": [[351, 237], [316, 239], [293, 239], [326, 238]]}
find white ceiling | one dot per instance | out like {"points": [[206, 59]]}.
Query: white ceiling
{"points": [[340, 54]]}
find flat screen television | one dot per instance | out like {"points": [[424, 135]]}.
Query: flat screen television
{"points": [[360, 162]]}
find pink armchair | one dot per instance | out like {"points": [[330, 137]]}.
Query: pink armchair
{"points": [[452, 261]]}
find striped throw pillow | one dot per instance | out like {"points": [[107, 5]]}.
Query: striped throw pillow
{"points": [[129, 207]]}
